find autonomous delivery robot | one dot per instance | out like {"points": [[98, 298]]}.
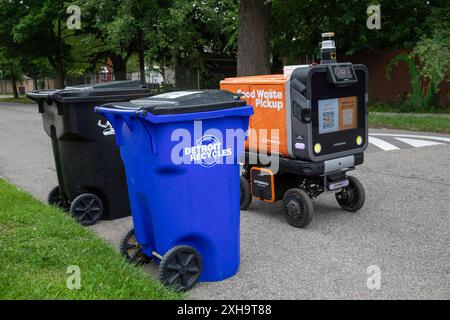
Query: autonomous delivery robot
{"points": [[319, 113]]}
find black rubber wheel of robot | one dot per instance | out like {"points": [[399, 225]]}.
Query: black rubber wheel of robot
{"points": [[55, 198], [298, 208], [87, 208], [180, 268], [353, 197], [245, 193], [131, 249]]}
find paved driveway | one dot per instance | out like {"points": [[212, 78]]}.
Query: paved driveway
{"points": [[403, 230]]}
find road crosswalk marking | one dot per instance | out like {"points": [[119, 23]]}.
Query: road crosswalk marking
{"points": [[437, 138], [383, 145], [417, 143], [413, 140]]}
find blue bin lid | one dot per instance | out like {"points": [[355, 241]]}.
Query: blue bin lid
{"points": [[182, 102]]}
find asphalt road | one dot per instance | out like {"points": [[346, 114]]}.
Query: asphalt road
{"points": [[404, 228]]}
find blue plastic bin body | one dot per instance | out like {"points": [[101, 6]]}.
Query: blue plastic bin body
{"points": [[191, 203]]}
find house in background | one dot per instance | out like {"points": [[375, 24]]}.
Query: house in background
{"points": [[154, 76], [104, 74]]}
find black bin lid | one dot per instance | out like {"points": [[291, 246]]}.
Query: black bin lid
{"points": [[180, 102], [130, 84], [102, 92]]}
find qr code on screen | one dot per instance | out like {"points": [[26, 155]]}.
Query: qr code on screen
{"points": [[347, 117], [328, 120]]}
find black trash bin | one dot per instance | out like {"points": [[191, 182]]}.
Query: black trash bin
{"points": [[91, 177]]}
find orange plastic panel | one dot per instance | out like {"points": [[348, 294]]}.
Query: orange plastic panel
{"points": [[272, 183], [267, 95]]}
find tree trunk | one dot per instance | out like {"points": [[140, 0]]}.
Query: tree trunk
{"points": [[60, 72], [14, 86], [60, 75], [140, 47], [35, 84], [60, 78], [181, 79], [119, 67], [277, 64], [253, 42]]}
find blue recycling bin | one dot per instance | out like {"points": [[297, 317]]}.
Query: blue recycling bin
{"points": [[180, 152]]}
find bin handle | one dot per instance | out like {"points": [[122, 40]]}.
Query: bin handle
{"points": [[157, 119], [128, 122], [151, 132], [117, 118], [105, 111], [116, 122]]}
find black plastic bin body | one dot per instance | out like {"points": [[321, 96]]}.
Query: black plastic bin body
{"points": [[86, 157]]}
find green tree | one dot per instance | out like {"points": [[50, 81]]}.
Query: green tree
{"points": [[15, 59], [117, 31], [297, 25], [159, 51], [187, 32], [40, 28], [433, 53], [103, 37], [416, 99], [429, 61], [36, 69], [11, 70]]}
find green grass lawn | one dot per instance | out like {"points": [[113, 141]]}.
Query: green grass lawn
{"points": [[37, 245], [403, 108], [439, 123], [21, 99]]}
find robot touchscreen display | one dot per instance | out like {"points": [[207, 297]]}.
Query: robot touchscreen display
{"points": [[338, 114]]}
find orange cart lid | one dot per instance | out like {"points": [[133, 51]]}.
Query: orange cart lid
{"points": [[264, 79]]}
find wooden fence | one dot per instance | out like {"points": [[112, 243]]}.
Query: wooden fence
{"points": [[398, 88], [28, 84]]}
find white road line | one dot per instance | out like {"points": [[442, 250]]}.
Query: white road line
{"points": [[410, 136], [383, 145], [416, 143]]}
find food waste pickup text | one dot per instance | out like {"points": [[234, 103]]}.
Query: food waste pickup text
{"points": [[270, 99]]}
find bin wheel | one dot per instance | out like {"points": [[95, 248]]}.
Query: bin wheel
{"points": [[180, 268], [55, 198], [87, 208], [131, 249], [298, 208], [353, 197], [245, 193]]}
